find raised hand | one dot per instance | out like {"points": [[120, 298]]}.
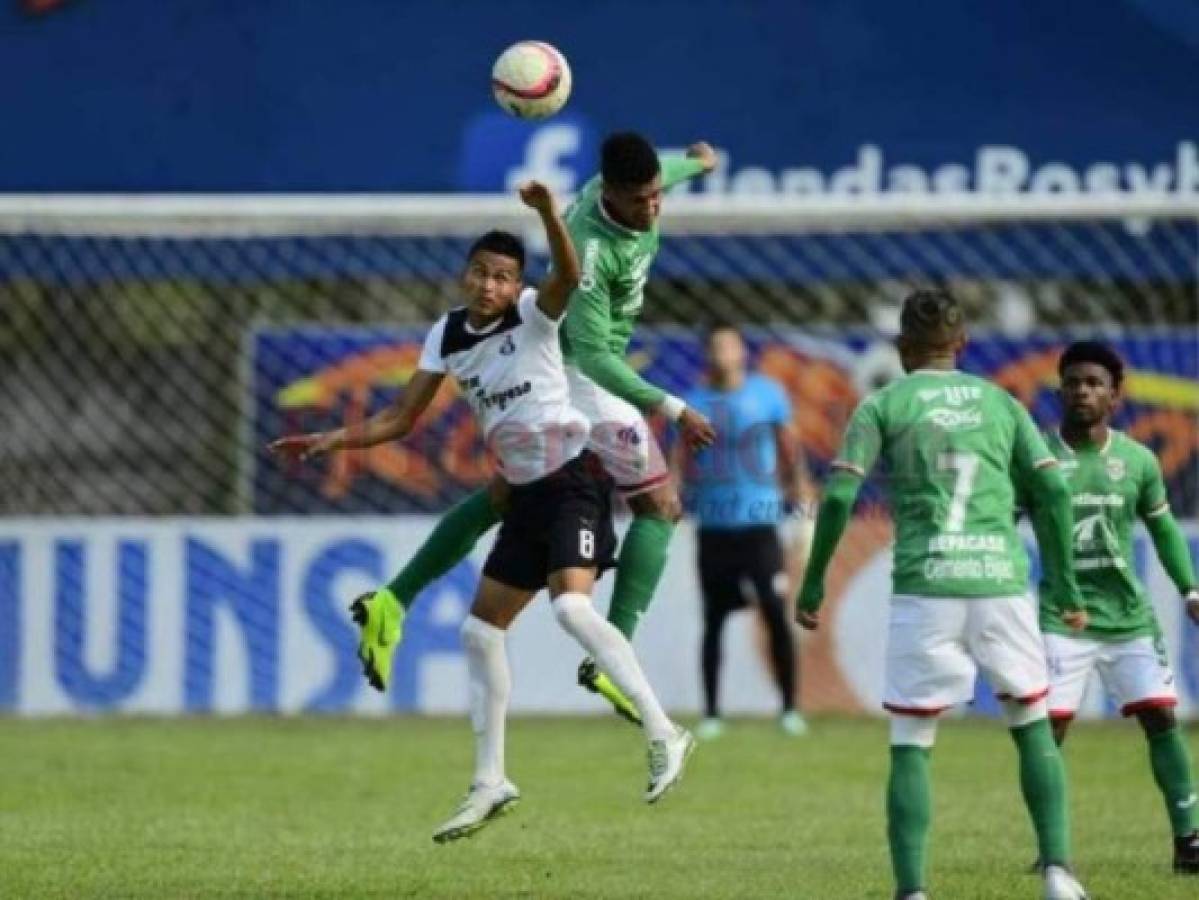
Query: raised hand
{"points": [[703, 151], [536, 195]]}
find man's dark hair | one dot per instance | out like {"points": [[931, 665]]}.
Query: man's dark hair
{"points": [[1093, 352], [931, 318], [628, 160], [502, 242]]}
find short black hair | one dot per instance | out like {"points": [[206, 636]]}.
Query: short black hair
{"points": [[628, 160], [932, 318], [1092, 352], [505, 243]]}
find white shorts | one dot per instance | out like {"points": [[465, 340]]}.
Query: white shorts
{"points": [[1135, 672], [937, 645], [620, 436]]}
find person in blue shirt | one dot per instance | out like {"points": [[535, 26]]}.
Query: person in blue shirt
{"points": [[739, 489]]}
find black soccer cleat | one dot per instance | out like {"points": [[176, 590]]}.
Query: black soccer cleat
{"points": [[1186, 854]]}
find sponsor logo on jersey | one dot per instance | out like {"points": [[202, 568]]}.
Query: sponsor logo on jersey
{"points": [[993, 568], [1093, 533], [502, 398], [967, 543], [1098, 500], [1114, 467], [955, 419], [591, 252], [954, 395]]}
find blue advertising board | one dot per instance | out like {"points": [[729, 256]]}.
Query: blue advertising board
{"points": [[364, 95]]}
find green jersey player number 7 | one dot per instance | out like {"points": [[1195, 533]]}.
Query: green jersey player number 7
{"points": [[613, 225], [951, 445]]}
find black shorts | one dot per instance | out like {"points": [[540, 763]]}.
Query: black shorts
{"points": [[561, 521], [730, 557]]}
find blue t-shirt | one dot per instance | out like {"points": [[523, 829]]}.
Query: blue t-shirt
{"points": [[735, 483]]}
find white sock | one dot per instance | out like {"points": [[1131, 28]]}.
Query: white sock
{"points": [[614, 655], [490, 686]]}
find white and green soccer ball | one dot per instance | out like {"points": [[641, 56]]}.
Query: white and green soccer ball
{"points": [[531, 80]]}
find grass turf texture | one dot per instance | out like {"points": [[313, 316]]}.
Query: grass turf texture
{"points": [[346, 808]]}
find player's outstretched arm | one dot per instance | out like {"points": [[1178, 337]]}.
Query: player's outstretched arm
{"points": [[563, 276], [835, 508], [1052, 513], [391, 424]]}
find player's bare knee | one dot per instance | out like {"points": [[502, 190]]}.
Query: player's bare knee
{"points": [[662, 503], [1156, 719], [571, 580], [913, 731]]}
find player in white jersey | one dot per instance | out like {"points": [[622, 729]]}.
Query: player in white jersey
{"points": [[502, 348]]}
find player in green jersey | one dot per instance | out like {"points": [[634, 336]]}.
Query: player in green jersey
{"points": [[952, 444], [614, 226], [1114, 481]]}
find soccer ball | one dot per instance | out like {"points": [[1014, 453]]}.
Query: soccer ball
{"points": [[531, 80]]}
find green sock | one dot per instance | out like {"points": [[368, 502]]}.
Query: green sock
{"points": [[1172, 772], [638, 571], [1043, 783], [453, 538], [909, 810]]}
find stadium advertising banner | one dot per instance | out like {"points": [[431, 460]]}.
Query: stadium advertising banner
{"points": [[303, 379], [802, 99], [249, 615]]}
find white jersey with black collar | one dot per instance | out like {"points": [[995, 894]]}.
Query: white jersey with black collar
{"points": [[512, 375]]}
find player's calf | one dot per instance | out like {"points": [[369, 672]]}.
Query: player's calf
{"points": [[669, 745]]}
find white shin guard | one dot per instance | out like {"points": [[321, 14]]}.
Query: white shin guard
{"points": [[490, 687]]}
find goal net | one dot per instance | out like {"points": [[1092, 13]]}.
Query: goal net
{"points": [[151, 346]]}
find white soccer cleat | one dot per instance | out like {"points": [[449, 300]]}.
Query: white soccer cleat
{"points": [[1061, 885], [481, 804], [666, 761]]}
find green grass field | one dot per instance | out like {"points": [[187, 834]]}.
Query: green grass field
{"points": [[345, 808]]}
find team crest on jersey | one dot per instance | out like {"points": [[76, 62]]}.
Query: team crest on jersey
{"points": [[1115, 468], [508, 347]]}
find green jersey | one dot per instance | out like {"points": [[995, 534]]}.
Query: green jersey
{"points": [[951, 445], [1111, 486], [603, 309]]}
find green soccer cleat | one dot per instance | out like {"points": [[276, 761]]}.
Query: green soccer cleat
{"points": [[597, 682], [380, 619]]}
